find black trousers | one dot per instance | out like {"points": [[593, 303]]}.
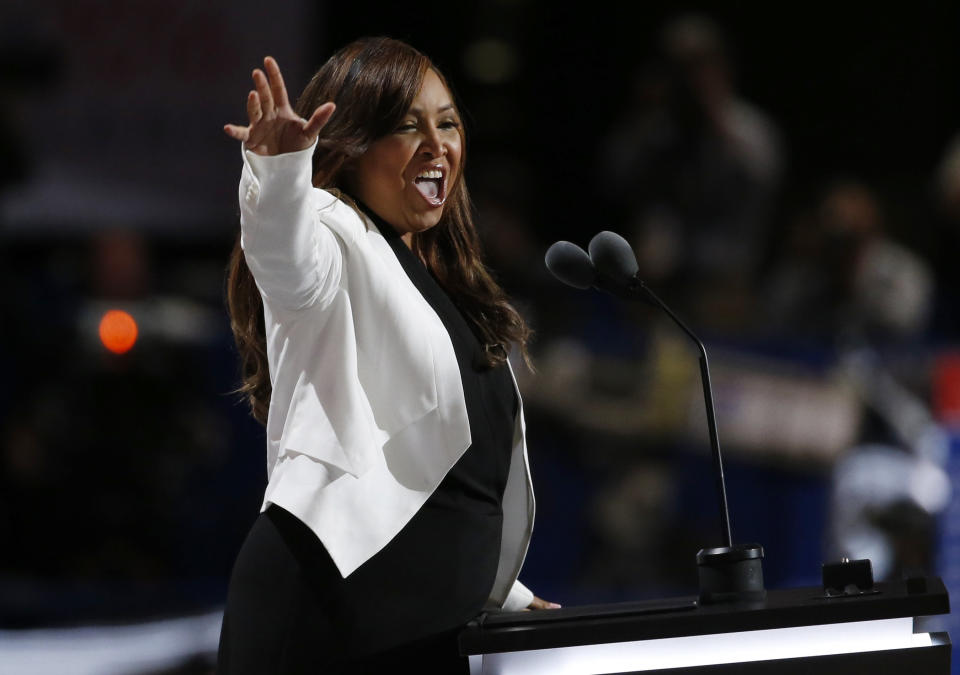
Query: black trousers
{"points": [[282, 615]]}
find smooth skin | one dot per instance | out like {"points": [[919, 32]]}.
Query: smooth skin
{"points": [[274, 129]]}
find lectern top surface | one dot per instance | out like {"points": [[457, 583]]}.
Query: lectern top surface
{"points": [[678, 617]]}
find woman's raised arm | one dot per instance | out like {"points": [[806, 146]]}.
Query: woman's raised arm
{"points": [[295, 260]]}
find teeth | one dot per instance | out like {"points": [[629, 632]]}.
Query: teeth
{"points": [[430, 173]]}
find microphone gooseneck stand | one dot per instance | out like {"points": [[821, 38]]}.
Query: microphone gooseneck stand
{"points": [[726, 573], [729, 572], [711, 414]]}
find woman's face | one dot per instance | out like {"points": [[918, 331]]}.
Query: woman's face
{"points": [[406, 176]]}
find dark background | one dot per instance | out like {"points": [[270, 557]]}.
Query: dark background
{"points": [[854, 88], [128, 482]]}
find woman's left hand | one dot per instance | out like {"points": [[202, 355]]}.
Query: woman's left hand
{"points": [[540, 603]]}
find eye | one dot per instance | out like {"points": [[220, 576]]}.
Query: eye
{"points": [[450, 124], [407, 126]]}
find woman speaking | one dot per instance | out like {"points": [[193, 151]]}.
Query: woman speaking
{"points": [[374, 346]]}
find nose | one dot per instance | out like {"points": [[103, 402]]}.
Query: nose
{"points": [[432, 144]]}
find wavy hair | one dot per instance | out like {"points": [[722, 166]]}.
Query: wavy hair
{"points": [[374, 81]]}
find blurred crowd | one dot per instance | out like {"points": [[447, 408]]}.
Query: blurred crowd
{"points": [[829, 313], [128, 481]]}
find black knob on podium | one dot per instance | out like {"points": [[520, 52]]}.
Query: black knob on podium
{"points": [[731, 574]]}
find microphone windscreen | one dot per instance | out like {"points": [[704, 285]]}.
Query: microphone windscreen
{"points": [[570, 264], [613, 257]]}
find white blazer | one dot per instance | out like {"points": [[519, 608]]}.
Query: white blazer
{"points": [[367, 413]]}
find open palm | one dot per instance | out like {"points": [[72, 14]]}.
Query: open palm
{"points": [[274, 127]]}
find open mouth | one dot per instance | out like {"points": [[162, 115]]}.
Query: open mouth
{"points": [[432, 185]]}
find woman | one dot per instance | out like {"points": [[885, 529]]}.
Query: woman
{"points": [[374, 343]]}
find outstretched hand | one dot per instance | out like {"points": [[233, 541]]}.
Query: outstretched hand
{"points": [[274, 127]]}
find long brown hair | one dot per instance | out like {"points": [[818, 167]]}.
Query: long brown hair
{"points": [[373, 81]]}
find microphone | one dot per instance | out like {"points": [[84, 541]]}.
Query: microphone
{"points": [[570, 264], [726, 572], [614, 258]]}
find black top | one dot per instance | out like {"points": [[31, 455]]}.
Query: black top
{"points": [[437, 573]]}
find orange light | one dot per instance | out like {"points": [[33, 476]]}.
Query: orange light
{"points": [[118, 331]]}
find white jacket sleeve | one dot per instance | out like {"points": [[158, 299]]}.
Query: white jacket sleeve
{"points": [[518, 598], [295, 260]]}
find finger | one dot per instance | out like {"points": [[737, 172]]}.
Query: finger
{"points": [[236, 132], [254, 109], [277, 87], [263, 90], [540, 603], [318, 119]]}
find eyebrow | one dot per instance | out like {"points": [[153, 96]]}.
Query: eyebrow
{"points": [[418, 111]]}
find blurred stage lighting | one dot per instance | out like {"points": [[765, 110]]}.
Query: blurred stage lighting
{"points": [[118, 331], [110, 650]]}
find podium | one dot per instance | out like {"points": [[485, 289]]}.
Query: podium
{"points": [[789, 632]]}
